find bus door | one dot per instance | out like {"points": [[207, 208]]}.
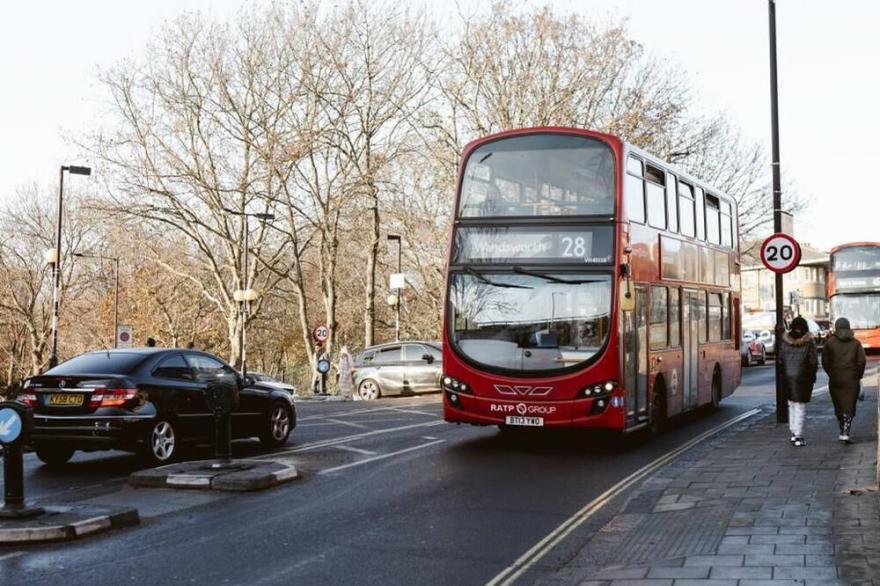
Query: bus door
{"points": [[690, 337], [635, 359]]}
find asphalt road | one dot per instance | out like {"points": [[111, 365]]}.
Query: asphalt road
{"points": [[390, 494]]}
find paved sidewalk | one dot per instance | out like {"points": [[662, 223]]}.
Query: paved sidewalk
{"points": [[749, 509]]}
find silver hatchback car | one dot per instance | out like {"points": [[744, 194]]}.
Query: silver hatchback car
{"points": [[400, 368]]}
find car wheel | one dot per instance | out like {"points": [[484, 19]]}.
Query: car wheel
{"points": [[369, 390], [279, 424], [763, 359], [54, 455], [161, 446]]}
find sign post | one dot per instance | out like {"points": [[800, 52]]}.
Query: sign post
{"points": [[781, 254], [123, 336], [16, 424], [321, 334]]}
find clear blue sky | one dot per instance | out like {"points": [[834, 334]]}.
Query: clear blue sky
{"points": [[49, 52]]}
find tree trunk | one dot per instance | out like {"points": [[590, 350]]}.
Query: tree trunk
{"points": [[372, 256], [234, 330]]}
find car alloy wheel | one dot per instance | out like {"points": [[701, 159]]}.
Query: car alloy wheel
{"points": [[368, 390], [279, 423], [162, 441]]}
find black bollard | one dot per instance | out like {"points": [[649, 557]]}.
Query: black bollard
{"points": [[223, 431], [15, 428]]}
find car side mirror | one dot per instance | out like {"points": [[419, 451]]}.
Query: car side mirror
{"points": [[428, 358], [246, 381]]}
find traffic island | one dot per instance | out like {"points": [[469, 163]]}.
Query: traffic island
{"points": [[235, 475], [57, 523]]}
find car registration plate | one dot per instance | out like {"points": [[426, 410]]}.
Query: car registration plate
{"points": [[66, 399], [529, 421]]}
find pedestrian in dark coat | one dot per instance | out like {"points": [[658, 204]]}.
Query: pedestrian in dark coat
{"points": [[799, 363], [843, 358]]}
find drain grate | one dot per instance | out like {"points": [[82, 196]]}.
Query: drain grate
{"points": [[675, 534]]}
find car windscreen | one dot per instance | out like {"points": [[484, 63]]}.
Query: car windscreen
{"points": [[100, 363]]}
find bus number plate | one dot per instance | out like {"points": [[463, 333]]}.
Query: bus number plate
{"points": [[529, 421]]}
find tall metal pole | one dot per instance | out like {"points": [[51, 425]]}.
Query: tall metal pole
{"points": [[781, 398], [400, 293], [244, 302], [56, 287], [116, 307]]}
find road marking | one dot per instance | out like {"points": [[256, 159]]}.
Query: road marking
{"points": [[361, 411], [355, 450], [9, 556], [428, 437], [416, 412], [349, 423], [345, 439], [525, 562], [382, 457]]}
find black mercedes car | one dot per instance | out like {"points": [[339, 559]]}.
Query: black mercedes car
{"points": [[151, 401]]}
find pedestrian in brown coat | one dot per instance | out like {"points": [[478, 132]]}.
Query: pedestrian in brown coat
{"points": [[843, 358]]}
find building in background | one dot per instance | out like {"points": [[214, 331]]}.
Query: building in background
{"points": [[804, 287]]}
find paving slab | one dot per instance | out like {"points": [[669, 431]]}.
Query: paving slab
{"points": [[66, 523], [237, 475], [777, 514]]}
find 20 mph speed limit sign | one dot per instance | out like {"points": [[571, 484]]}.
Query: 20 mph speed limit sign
{"points": [[321, 333], [780, 253]]}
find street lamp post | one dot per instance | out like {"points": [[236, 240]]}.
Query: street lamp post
{"points": [[781, 399], [392, 237], [245, 295], [56, 287], [115, 260]]}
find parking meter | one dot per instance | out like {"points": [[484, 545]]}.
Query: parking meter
{"points": [[222, 396], [16, 428]]}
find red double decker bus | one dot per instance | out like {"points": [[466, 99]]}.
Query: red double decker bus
{"points": [[854, 289], [589, 284]]}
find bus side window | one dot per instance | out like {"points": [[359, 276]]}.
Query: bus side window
{"points": [[713, 219], [715, 317], [726, 317], [686, 208], [659, 317], [701, 214], [634, 191], [674, 319], [726, 225], [655, 180], [672, 201]]}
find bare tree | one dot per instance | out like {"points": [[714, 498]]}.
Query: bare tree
{"points": [[189, 144], [26, 279]]}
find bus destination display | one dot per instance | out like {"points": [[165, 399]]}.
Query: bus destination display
{"points": [[587, 245]]}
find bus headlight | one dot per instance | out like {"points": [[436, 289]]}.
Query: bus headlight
{"points": [[597, 390], [454, 385]]}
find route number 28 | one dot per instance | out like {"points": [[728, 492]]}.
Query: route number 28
{"points": [[574, 247]]}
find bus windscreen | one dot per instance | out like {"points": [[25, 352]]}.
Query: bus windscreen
{"points": [[539, 175]]}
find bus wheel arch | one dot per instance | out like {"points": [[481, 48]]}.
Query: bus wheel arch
{"points": [[659, 406]]}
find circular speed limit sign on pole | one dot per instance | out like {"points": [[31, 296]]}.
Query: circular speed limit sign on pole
{"points": [[321, 333], [780, 253]]}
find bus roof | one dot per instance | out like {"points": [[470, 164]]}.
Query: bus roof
{"points": [[840, 247]]}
